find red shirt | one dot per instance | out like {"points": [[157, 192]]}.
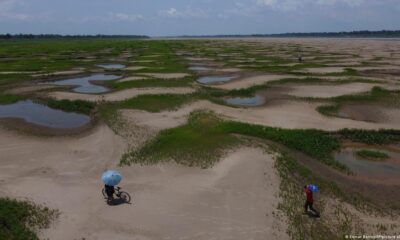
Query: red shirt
{"points": [[309, 194]]}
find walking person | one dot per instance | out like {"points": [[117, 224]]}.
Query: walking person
{"points": [[309, 189], [300, 58]]}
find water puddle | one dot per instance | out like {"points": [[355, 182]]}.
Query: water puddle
{"points": [[360, 165], [246, 101], [42, 115], [111, 66], [83, 83], [215, 79]]}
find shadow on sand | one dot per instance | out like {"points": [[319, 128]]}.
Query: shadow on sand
{"points": [[312, 214], [117, 202]]}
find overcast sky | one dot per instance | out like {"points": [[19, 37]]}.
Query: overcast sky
{"points": [[196, 17]]}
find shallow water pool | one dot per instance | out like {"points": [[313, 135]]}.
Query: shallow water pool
{"points": [[246, 101], [348, 157], [83, 83], [111, 66], [43, 115], [215, 79]]}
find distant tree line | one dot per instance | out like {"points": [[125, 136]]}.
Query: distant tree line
{"points": [[361, 34], [55, 36]]}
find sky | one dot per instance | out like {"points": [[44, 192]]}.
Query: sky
{"points": [[196, 17]]}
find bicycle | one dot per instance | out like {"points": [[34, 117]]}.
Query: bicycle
{"points": [[120, 194]]}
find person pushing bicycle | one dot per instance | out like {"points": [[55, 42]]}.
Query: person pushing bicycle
{"points": [[112, 178]]}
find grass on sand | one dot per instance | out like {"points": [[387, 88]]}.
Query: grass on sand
{"points": [[19, 220], [201, 141], [198, 143]]}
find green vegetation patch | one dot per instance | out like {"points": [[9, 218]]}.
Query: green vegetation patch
{"points": [[198, 143], [9, 99], [379, 137], [329, 110], [216, 134], [373, 155], [314, 143], [20, 219], [6, 79], [165, 59], [72, 106]]}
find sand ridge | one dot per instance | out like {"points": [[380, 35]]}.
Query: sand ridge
{"points": [[133, 78], [284, 114], [167, 75], [60, 73], [246, 82], [329, 91], [119, 95], [134, 68]]}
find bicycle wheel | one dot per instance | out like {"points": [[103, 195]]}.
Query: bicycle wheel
{"points": [[125, 196], [104, 193]]}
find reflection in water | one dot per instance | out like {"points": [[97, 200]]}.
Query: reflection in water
{"points": [[215, 79], [43, 115], [246, 101], [83, 83], [111, 66], [357, 164]]}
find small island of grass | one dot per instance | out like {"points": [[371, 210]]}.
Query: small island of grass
{"points": [[372, 155]]}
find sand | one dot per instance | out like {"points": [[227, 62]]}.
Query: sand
{"points": [[251, 81], [119, 95], [370, 113], [60, 73], [324, 70], [167, 75], [133, 78], [376, 68], [329, 91], [229, 70], [349, 64], [196, 59], [283, 114], [169, 201], [134, 68]]}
